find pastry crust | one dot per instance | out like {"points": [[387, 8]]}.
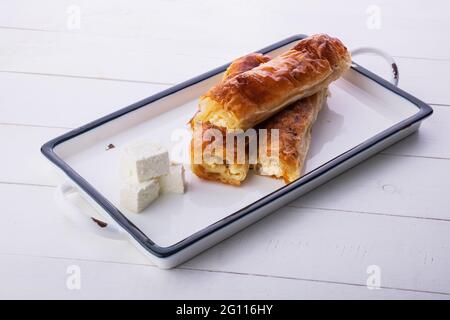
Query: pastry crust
{"points": [[233, 174], [294, 129], [248, 98], [212, 164], [245, 63]]}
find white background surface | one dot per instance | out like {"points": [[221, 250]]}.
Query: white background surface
{"points": [[391, 211]]}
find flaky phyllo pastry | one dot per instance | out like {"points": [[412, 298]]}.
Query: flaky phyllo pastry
{"points": [[209, 158], [286, 159], [284, 93], [250, 97]]}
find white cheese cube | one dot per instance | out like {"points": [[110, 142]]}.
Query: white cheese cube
{"points": [[144, 160], [137, 196], [173, 182]]}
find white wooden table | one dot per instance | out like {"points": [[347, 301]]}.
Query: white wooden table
{"points": [[59, 70]]}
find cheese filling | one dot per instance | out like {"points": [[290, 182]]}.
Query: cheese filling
{"points": [[236, 172], [270, 166]]}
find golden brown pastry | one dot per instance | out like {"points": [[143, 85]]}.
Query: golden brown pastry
{"points": [[243, 64], [294, 124], [209, 158], [215, 168], [286, 158], [248, 98]]}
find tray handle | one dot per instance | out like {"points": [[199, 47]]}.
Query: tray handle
{"points": [[387, 57], [64, 196]]}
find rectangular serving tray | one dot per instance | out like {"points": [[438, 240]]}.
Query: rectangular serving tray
{"points": [[363, 115]]}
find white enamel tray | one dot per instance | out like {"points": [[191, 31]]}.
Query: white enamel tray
{"points": [[363, 115]]}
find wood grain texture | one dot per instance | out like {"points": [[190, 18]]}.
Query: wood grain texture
{"points": [[25, 163], [405, 28], [423, 78], [384, 184], [390, 211], [311, 244], [64, 101], [139, 60], [45, 278]]}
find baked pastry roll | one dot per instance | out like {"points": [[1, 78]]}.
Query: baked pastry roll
{"points": [[214, 166], [209, 158], [248, 98], [285, 158]]}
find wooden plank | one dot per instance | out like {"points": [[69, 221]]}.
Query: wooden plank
{"points": [[41, 230], [24, 162], [44, 278], [295, 243], [384, 184], [138, 60], [430, 141], [324, 245], [125, 59], [64, 101], [196, 25], [416, 76]]}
